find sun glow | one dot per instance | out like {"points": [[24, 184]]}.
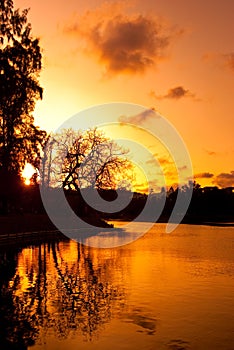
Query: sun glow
{"points": [[27, 173]]}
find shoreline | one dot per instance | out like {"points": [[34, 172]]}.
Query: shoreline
{"points": [[31, 238], [201, 223], [37, 228]]}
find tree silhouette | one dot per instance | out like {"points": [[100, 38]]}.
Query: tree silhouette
{"points": [[84, 160], [20, 64]]}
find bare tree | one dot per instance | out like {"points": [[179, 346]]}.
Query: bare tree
{"points": [[78, 160]]}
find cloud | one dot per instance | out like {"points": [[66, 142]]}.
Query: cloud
{"points": [[139, 118], [225, 179], [183, 168], [158, 160], [164, 161], [204, 175], [210, 153], [122, 42], [152, 161], [175, 93], [153, 184], [229, 59], [220, 59]]}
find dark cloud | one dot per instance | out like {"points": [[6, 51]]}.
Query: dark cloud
{"points": [[178, 92], [123, 43], [225, 179], [204, 175], [139, 118], [229, 58], [130, 45], [175, 93]]}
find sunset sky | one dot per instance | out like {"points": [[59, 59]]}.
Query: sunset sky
{"points": [[175, 56]]}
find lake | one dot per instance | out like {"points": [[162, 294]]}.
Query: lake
{"points": [[161, 292]]}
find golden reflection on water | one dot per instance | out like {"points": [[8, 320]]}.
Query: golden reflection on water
{"points": [[68, 287], [160, 292]]}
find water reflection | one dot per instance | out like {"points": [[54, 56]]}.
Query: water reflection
{"points": [[56, 286], [166, 292], [18, 328]]}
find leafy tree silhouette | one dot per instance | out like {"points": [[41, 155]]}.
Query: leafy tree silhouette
{"points": [[20, 64]]}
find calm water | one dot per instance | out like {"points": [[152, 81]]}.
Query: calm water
{"points": [[161, 292]]}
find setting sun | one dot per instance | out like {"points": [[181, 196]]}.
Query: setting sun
{"points": [[27, 173]]}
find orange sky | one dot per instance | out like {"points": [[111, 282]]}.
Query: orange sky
{"points": [[176, 56]]}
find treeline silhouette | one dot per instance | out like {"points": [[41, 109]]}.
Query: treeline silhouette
{"points": [[208, 204]]}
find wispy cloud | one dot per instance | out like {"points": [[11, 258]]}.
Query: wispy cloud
{"points": [[210, 152], [183, 168], [205, 175], [162, 161], [139, 118], [122, 42], [225, 179], [153, 184], [151, 161], [175, 93], [221, 60]]}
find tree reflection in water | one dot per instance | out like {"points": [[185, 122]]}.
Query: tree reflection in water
{"points": [[60, 287], [18, 329]]}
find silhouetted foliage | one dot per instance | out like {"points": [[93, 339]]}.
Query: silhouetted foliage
{"points": [[208, 205], [211, 204], [20, 64]]}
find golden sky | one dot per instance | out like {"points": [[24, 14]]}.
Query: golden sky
{"points": [[176, 56]]}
